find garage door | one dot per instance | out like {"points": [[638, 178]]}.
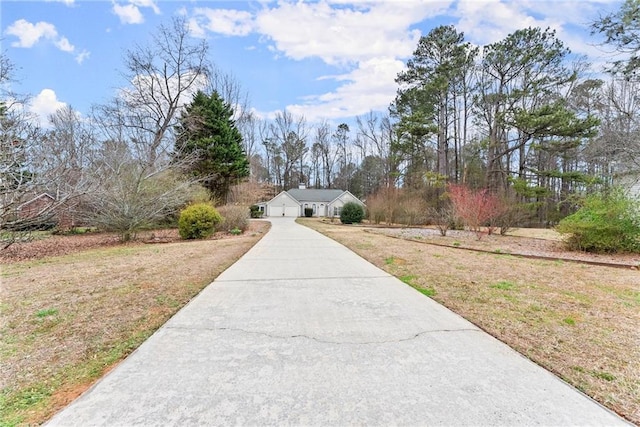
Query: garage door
{"points": [[287, 210]]}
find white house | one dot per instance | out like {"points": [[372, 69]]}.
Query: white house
{"points": [[292, 202], [629, 181]]}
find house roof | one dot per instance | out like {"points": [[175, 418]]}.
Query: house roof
{"points": [[314, 195]]}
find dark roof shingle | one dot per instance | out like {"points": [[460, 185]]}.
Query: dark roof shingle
{"points": [[313, 195]]}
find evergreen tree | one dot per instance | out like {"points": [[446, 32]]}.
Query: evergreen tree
{"points": [[208, 135], [622, 30]]}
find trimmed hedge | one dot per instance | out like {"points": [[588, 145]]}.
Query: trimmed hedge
{"points": [[198, 221], [352, 213]]}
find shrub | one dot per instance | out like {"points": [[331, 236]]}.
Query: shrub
{"points": [[383, 205], [198, 221], [605, 223], [475, 208], [444, 218], [515, 214], [235, 216], [254, 211], [352, 213], [308, 212], [412, 209]]}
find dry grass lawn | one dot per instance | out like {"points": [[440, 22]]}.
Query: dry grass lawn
{"points": [[66, 320], [580, 321]]}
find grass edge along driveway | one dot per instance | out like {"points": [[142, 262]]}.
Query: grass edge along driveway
{"points": [[67, 320], [581, 322]]}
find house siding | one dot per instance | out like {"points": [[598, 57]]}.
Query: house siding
{"points": [[292, 206], [283, 205], [336, 205]]}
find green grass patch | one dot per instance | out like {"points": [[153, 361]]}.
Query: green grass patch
{"points": [[167, 301], [603, 375], [430, 292], [389, 260], [408, 279], [503, 286], [569, 321], [46, 312]]}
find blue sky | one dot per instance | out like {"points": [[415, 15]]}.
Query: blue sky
{"points": [[332, 59]]}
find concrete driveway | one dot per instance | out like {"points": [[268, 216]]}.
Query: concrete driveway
{"points": [[302, 331]]}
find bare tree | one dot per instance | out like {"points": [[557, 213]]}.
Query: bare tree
{"points": [[249, 125], [380, 134], [34, 184], [162, 76], [327, 152], [290, 134], [132, 196]]}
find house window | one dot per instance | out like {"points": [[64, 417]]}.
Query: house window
{"points": [[314, 208], [337, 210]]}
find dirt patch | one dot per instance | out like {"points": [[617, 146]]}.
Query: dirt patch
{"points": [[74, 306], [580, 321]]}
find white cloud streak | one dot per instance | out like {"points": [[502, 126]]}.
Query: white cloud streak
{"points": [[66, 2], [30, 34], [130, 13]]}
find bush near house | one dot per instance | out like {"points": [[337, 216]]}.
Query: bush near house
{"points": [[234, 218], [198, 221], [254, 211], [606, 223], [308, 212], [352, 213]]}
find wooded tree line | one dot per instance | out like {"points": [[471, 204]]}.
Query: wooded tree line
{"points": [[522, 118]]}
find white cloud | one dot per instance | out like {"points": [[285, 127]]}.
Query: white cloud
{"points": [[195, 29], [63, 44], [82, 56], [488, 21], [29, 34], [67, 2], [147, 3], [130, 13], [228, 22], [340, 35], [44, 104], [369, 87]]}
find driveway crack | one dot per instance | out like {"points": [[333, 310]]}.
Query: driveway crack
{"points": [[327, 341]]}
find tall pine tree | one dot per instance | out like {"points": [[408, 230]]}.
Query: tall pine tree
{"points": [[207, 133]]}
